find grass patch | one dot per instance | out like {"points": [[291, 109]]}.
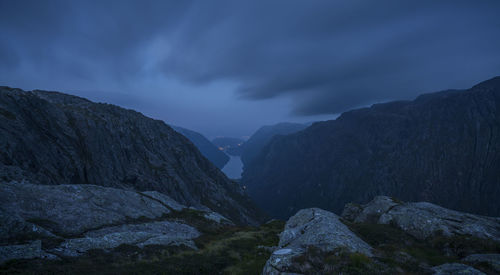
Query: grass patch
{"points": [[222, 250], [339, 261]]}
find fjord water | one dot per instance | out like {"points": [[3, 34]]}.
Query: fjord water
{"points": [[233, 168]]}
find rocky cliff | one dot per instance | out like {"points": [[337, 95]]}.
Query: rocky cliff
{"points": [[207, 148], [252, 147], [442, 147], [52, 138]]}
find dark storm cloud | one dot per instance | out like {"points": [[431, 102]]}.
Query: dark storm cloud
{"points": [[327, 56]]}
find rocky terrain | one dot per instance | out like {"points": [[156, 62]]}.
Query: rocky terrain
{"points": [[207, 148], [387, 236], [52, 138], [252, 147], [87, 229], [442, 148]]}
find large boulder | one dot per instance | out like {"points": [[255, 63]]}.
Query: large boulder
{"points": [[312, 228], [423, 220]]}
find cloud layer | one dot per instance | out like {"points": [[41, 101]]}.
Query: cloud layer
{"points": [[324, 56]]}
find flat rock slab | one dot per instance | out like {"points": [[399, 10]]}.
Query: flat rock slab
{"points": [[156, 233], [24, 251], [84, 217], [423, 219], [74, 209]]}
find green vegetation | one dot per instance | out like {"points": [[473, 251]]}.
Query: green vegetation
{"points": [[339, 261], [221, 250], [400, 251]]}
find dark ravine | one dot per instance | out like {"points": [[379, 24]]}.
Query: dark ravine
{"points": [[207, 148], [51, 138], [253, 146], [441, 147]]}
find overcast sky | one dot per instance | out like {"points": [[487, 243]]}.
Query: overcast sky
{"points": [[224, 68]]}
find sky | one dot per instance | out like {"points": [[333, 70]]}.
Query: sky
{"points": [[225, 68]]}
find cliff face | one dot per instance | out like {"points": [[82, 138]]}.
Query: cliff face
{"points": [[207, 148], [253, 146], [53, 138], [442, 148]]}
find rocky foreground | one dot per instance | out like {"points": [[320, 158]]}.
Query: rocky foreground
{"points": [[387, 236], [86, 229], [82, 229]]}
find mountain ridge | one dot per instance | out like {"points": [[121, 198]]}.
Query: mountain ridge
{"points": [[441, 147], [55, 138]]}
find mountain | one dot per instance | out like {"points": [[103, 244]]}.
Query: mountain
{"points": [[206, 147], [442, 148], [52, 138], [253, 146], [230, 145]]}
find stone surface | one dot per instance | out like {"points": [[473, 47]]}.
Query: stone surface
{"points": [[75, 209], [456, 269], [80, 217], [155, 233], [423, 220], [312, 227], [53, 138], [24, 251], [492, 260], [443, 148]]}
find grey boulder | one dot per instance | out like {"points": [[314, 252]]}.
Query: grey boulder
{"points": [[312, 227], [423, 219], [455, 269]]}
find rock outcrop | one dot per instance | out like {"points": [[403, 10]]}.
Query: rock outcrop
{"points": [[312, 228], [48, 221], [52, 138], [456, 269], [387, 236], [443, 148], [207, 148], [423, 220], [493, 260]]}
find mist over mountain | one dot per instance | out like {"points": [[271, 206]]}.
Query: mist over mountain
{"points": [[441, 147], [207, 148]]}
